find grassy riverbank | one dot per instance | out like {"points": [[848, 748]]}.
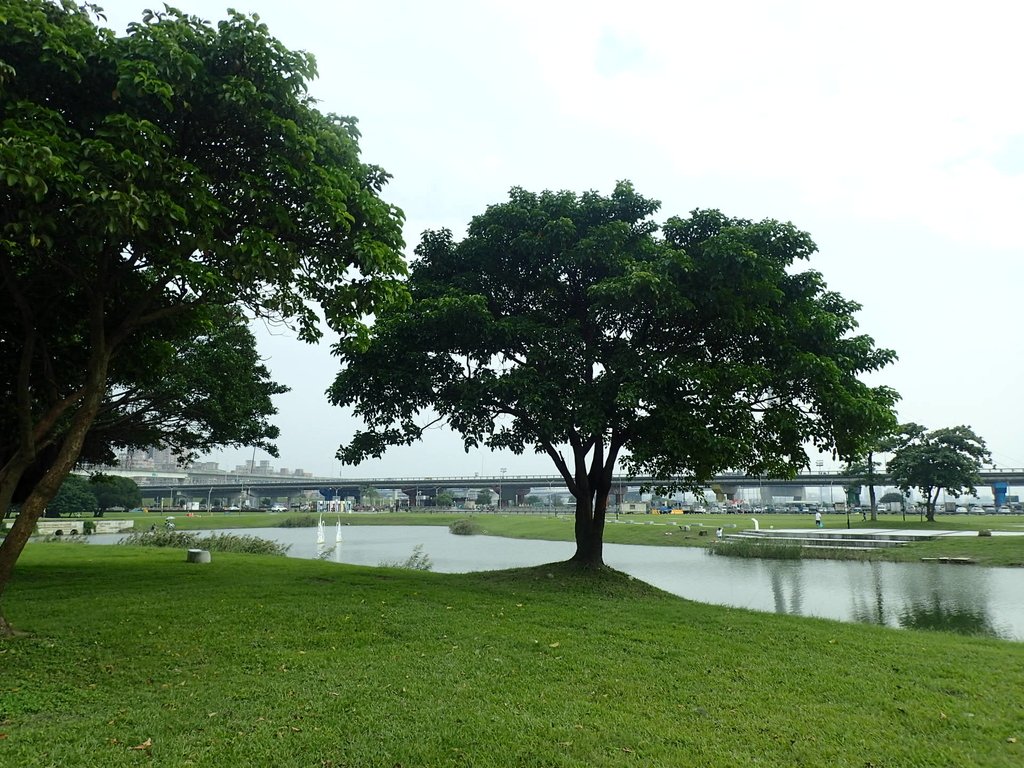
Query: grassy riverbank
{"points": [[666, 530], [134, 657]]}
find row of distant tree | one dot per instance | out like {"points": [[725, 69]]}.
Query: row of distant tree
{"points": [[932, 462], [95, 495]]}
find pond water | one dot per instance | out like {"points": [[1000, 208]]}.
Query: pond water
{"points": [[973, 600]]}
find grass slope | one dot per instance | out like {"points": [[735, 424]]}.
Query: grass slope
{"points": [[134, 657]]}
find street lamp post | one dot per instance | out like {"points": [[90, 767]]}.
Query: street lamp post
{"points": [[500, 480]]}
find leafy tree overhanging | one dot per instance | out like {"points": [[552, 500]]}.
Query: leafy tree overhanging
{"points": [[155, 186], [574, 326]]}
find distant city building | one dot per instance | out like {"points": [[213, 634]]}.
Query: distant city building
{"points": [[159, 459], [264, 467]]}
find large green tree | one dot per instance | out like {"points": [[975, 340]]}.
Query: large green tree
{"points": [[76, 496], [115, 491], [882, 438], [947, 459], [571, 325], [151, 181]]}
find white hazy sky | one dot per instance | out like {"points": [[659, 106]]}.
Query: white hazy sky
{"points": [[892, 131]]}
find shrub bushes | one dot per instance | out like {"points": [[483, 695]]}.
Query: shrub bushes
{"points": [[465, 527], [219, 542], [774, 550], [299, 521], [417, 561]]}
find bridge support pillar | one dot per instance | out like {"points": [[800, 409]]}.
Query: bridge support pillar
{"points": [[725, 492], [853, 496], [999, 490], [770, 492]]}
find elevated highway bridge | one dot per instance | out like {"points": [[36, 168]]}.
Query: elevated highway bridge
{"points": [[207, 485]]}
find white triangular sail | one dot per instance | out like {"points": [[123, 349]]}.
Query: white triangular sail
{"points": [[337, 533], [320, 531]]}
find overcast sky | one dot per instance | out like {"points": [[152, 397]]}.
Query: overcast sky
{"points": [[893, 132]]}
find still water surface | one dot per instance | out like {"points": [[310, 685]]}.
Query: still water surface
{"points": [[974, 600]]}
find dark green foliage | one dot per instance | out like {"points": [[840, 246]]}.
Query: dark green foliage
{"points": [[571, 325], [158, 189], [882, 436], [771, 550], [465, 527], [944, 459], [115, 491], [299, 521], [75, 497], [253, 545], [218, 542]]}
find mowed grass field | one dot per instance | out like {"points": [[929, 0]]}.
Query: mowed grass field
{"points": [[133, 657]]}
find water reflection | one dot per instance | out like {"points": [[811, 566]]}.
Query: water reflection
{"points": [[785, 580], [941, 614], [867, 604], [929, 596], [974, 600], [971, 600], [949, 599]]}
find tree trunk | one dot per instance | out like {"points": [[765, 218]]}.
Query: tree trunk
{"points": [[591, 509], [44, 490], [871, 486], [591, 487], [590, 532]]}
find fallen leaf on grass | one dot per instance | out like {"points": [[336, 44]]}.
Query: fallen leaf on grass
{"points": [[554, 645], [144, 745]]}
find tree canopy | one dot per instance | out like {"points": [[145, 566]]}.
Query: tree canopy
{"points": [[159, 187], [882, 438], [115, 491], [947, 459], [76, 496], [575, 326]]}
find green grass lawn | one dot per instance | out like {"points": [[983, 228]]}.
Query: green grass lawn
{"points": [[132, 657]]}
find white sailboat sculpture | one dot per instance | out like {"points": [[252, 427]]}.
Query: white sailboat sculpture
{"points": [[337, 534], [320, 531]]}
